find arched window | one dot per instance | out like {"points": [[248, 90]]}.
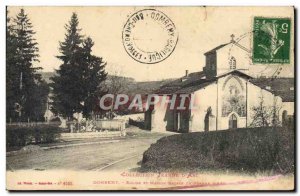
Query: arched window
{"points": [[232, 122], [232, 63]]}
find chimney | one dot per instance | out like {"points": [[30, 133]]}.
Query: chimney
{"points": [[184, 78], [232, 38]]}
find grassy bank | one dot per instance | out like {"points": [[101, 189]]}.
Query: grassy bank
{"points": [[248, 149]]}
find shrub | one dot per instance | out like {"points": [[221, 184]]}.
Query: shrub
{"points": [[18, 136], [248, 149]]}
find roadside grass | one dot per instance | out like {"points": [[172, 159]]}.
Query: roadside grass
{"points": [[268, 151]]}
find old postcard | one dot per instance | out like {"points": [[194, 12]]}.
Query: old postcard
{"points": [[150, 98]]}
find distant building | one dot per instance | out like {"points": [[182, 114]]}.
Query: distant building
{"points": [[224, 95]]}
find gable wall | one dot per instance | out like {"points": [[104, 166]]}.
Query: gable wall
{"points": [[224, 54], [224, 109], [216, 96]]}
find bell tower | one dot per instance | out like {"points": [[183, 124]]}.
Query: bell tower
{"points": [[227, 57]]}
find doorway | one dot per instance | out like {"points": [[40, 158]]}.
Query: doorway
{"points": [[233, 122], [177, 121]]}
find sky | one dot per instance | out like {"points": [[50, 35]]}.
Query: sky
{"points": [[199, 30]]}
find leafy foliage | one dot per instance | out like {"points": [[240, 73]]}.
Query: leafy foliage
{"points": [[263, 115], [18, 136]]}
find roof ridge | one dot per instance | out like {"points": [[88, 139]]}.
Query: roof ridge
{"points": [[217, 48]]}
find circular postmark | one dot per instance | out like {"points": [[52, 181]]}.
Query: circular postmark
{"points": [[149, 36]]}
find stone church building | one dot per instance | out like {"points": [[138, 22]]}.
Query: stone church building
{"points": [[224, 95]]}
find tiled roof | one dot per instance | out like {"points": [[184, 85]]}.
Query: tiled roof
{"points": [[193, 88], [167, 90], [192, 83], [283, 87], [179, 83]]}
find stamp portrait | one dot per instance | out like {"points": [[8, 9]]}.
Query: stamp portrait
{"points": [[271, 43]]}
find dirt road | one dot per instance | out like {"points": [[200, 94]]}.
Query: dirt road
{"points": [[120, 154]]}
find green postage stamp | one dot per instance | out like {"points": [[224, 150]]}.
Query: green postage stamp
{"points": [[271, 40]]}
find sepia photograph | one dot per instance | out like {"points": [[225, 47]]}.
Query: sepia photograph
{"points": [[150, 98]]}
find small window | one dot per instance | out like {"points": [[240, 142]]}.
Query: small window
{"points": [[291, 88], [268, 87], [232, 63]]}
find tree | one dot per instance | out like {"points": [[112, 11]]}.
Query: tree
{"points": [[93, 74], [264, 116], [39, 98], [275, 113], [116, 84], [77, 81], [22, 77], [11, 70]]}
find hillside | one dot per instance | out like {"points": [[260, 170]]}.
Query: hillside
{"points": [[130, 85]]}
